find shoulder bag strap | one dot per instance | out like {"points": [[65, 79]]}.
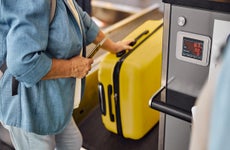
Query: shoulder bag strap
{"points": [[52, 9]]}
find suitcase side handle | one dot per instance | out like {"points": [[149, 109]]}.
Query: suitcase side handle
{"points": [[102, 98], [110, 91]]}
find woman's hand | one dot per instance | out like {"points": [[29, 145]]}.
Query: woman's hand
{"points": [[111, 46], [80, 66], [122, 45], [76, 67]]}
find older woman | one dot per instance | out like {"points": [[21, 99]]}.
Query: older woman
{"points": [[45, 58]]}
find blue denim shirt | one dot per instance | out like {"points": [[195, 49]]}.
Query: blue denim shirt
{"points": [[41, 106], [219, 136]]}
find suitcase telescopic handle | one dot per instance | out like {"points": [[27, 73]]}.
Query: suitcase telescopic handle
{"points": [[121, 53]]}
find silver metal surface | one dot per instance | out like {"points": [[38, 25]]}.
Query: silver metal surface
{"points": [[189, 78], [167, 11]]}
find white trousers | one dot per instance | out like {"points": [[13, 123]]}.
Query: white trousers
{"points": [[69, 139]]}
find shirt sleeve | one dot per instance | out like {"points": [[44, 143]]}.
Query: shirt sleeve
{"points": [[27, 39], [91, 28]]}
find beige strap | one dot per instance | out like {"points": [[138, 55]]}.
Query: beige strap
{"points": [[77, 96], [73, 10], [52, 9], [1, 74]]}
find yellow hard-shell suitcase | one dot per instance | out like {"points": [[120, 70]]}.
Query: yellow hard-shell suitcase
{"points": [[127, 82]]}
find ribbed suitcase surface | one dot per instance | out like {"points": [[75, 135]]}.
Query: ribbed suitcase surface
{"points": [[127, 82]]}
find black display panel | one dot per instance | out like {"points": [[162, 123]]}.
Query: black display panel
{"points": [[192, 48]]}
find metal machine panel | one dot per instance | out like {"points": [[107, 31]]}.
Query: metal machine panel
{"points": [[187, 77]]}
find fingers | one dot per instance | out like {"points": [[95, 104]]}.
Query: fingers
{"points": [[127, 44], [123, 45], [80, 66]]}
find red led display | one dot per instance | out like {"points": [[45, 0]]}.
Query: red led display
{"points": [[192, 48]]}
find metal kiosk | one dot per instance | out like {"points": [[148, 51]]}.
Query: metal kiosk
{"points": [[192, 29]]}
